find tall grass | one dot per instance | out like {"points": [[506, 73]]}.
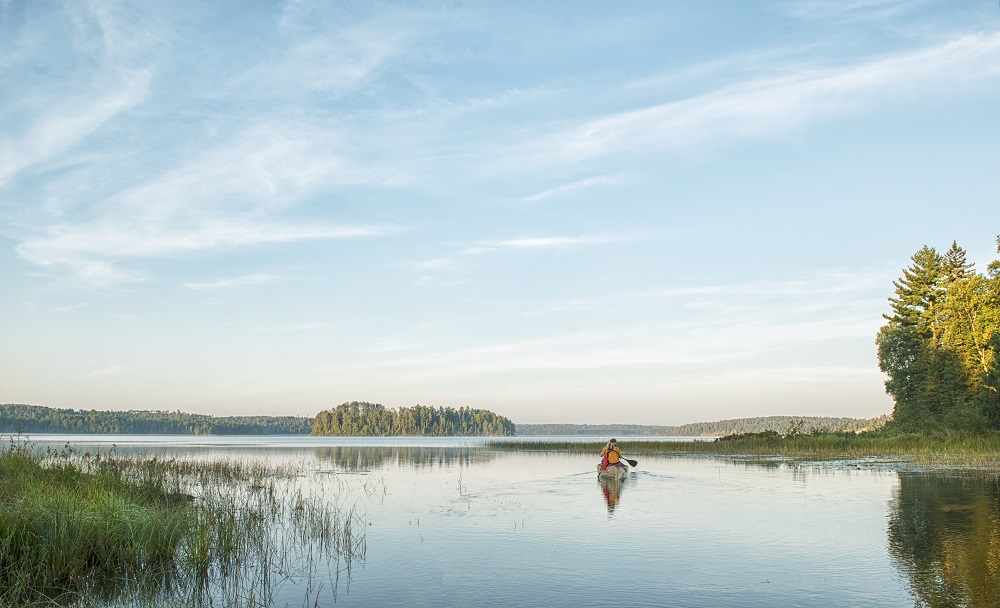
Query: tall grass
{"points": [[959, 450], [127, 530]]}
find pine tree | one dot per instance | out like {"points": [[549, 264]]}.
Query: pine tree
{"points": [[939, 347], [955, 265], [918, 291]]}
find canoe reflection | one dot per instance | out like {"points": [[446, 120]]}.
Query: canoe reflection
{"points": [[611, 488]]}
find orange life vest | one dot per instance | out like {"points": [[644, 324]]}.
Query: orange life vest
{"points": [[613, 455]]}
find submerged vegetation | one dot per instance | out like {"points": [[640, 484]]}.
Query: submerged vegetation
{"points": [[78, 529]]}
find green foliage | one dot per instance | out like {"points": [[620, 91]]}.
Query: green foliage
{"points": [[978, 452], [611, 430], [61, 527], [758, 424], [37, 419], [363, 418], [107, 529], [939, 346]]}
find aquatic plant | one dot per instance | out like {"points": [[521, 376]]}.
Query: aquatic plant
{"points": [[973, 451], [109, 529]]}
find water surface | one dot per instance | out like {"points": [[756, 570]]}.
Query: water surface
{"points": [[454, 523]]}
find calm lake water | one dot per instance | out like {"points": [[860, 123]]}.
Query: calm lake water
{"points": [[453, 523]]}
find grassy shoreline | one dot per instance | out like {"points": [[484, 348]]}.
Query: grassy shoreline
{"points": [[981, 452], [118, 530]]}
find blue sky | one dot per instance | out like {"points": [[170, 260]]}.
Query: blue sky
{"points": [[642, 212]]}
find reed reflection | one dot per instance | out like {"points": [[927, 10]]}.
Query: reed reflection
{"points": [[945, 535], [361, 459]]}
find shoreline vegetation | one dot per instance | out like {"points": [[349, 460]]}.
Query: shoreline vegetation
{"points": [[126, 530], [357, 418], [966, 451], [719, 428], [28, 419], [15, 418]]}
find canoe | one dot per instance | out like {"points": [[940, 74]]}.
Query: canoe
{"points": [[613, 473]]}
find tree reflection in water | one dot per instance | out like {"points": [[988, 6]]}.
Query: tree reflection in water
{"points": [[945, 534], [363, 459]]}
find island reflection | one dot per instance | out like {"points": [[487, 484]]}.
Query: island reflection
{"points": [[361, 459]]}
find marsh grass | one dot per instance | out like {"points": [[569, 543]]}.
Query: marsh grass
{"points": [[981, 452], [107, 529]]}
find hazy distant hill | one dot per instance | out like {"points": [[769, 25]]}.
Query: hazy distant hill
{"points": [[594, 429], [698, 429]]}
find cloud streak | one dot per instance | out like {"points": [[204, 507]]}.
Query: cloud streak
{"points": [[583, 184], [849, 10], [536, 243], [250, 279], [230, 197], [111, 370], [68, 124], [759, 107]]}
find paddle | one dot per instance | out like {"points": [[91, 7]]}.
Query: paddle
{"points": [[634, 463]]}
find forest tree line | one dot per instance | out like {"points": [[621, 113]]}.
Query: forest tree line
{"points": [[760, 424], [38, 419], [363, 418], [939, 346]]}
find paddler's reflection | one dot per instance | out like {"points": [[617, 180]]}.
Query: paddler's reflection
{"points": [[612, 490]]}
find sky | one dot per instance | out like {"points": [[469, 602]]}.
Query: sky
{"points": [[581, 212]]}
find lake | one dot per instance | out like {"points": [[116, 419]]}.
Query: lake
{"points": [[452, 522]]}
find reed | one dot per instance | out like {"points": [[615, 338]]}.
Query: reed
{"points": [[107, 529], [957, 450]]}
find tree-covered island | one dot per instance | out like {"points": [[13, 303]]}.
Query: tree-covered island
{"points": [[363, 418]]}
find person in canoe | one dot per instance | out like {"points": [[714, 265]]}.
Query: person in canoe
{"points": [[611, 455]]}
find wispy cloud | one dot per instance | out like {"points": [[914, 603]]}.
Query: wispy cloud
{"points": [[111, 370], [295, 327], [64, 125], [233, 196], [250, 279], [434, 264], [103, 66], [758, 107], [542, 242], [462, 259], [71, 307], [93, 250], [824, 294], [583, 184], [849, 10], [740, 327]]}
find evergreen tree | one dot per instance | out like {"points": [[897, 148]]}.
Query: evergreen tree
{"points": [[918, 291], [373, 419], [955, 265], [939, 346]]}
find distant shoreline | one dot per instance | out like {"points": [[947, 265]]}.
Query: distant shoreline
{"points": [[29, 419]]}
